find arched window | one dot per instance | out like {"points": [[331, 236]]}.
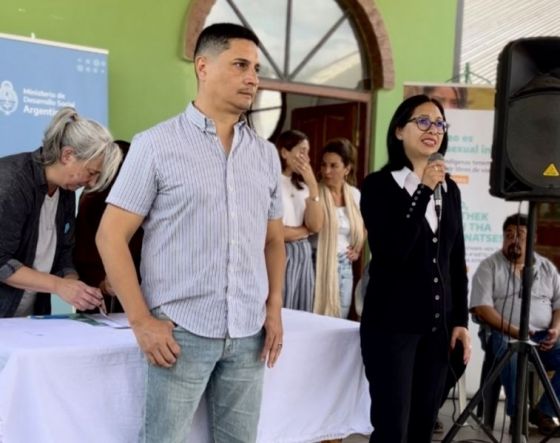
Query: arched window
{"points": [[295, 46], [322, 61]]}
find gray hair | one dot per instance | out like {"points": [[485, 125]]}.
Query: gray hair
{"points": [[89, 139]]}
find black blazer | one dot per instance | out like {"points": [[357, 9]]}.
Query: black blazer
{"points": [[418, 280]]}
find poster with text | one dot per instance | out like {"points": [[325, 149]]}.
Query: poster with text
{"points": [[38, 77]]}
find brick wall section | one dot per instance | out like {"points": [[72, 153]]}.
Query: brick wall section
{"points": [[376, 41], [194, 23]]}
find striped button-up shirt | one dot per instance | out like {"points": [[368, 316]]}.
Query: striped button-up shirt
{"points": [[205, 222]]}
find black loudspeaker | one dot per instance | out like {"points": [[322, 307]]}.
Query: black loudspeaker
{"points": [[526, 143]]}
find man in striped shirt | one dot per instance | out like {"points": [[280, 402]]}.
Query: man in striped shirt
{"points": [[206, 190]]}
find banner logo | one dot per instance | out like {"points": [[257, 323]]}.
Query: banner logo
{"points": [[8, 98]]}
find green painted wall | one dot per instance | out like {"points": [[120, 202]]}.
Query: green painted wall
{"points": [[149, 81], [422, 36]]}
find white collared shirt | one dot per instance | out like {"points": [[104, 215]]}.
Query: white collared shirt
{"points": [[293, 201], [408, 180]]}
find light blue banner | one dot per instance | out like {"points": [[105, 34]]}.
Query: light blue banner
{"points": [[37, 78]]}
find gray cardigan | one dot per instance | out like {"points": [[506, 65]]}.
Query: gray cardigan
{"points": [[23, 187]]}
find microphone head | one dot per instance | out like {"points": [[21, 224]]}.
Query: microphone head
{"points": [[435, 157]]}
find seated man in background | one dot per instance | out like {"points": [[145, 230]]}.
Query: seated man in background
{"points": [[496, 301], [86, 257]]}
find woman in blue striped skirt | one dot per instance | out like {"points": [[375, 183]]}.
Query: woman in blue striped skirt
{"points": [[303, 216]]}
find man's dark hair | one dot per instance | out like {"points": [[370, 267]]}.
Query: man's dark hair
{"points": [[515, 220], [216, 37]]}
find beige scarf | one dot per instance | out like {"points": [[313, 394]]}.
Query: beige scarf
{"points": [[327, 294]]}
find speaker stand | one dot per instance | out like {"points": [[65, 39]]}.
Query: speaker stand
{"points": [[525, 350]]}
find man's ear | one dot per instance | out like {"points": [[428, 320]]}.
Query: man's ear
{"points": [[200, 66], [66, 154]]}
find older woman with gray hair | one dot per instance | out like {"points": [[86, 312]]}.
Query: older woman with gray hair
{"points": [[37, 214]]}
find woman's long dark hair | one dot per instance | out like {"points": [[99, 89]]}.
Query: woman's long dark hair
{"points": [[347, 152], [288, 140], [395, 147]]}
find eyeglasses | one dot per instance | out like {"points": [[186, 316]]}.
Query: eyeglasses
{"points": [[424, 123]]}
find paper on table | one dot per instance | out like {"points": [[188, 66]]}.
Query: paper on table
{"points": [[117, 321]]}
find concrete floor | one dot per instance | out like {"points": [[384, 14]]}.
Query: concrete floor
{"points": [[470, 432]]}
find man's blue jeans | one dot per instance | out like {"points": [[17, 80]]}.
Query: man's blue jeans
{"points": [[550, 360], [228, 370]]}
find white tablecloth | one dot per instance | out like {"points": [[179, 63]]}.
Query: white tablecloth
{"points": [[65, 381]]}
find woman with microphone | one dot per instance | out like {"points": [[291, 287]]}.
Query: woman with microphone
{"points": [[415, 311]]}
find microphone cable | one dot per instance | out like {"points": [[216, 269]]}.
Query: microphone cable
{"points": [[447, 335]]}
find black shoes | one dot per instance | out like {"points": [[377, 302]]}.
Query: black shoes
{"points": [[546, 424], [438, 427]]}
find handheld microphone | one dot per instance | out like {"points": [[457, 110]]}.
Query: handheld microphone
{"points": [[437, 191]]}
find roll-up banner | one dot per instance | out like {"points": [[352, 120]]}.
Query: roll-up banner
{"points": [[38, 77]]}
